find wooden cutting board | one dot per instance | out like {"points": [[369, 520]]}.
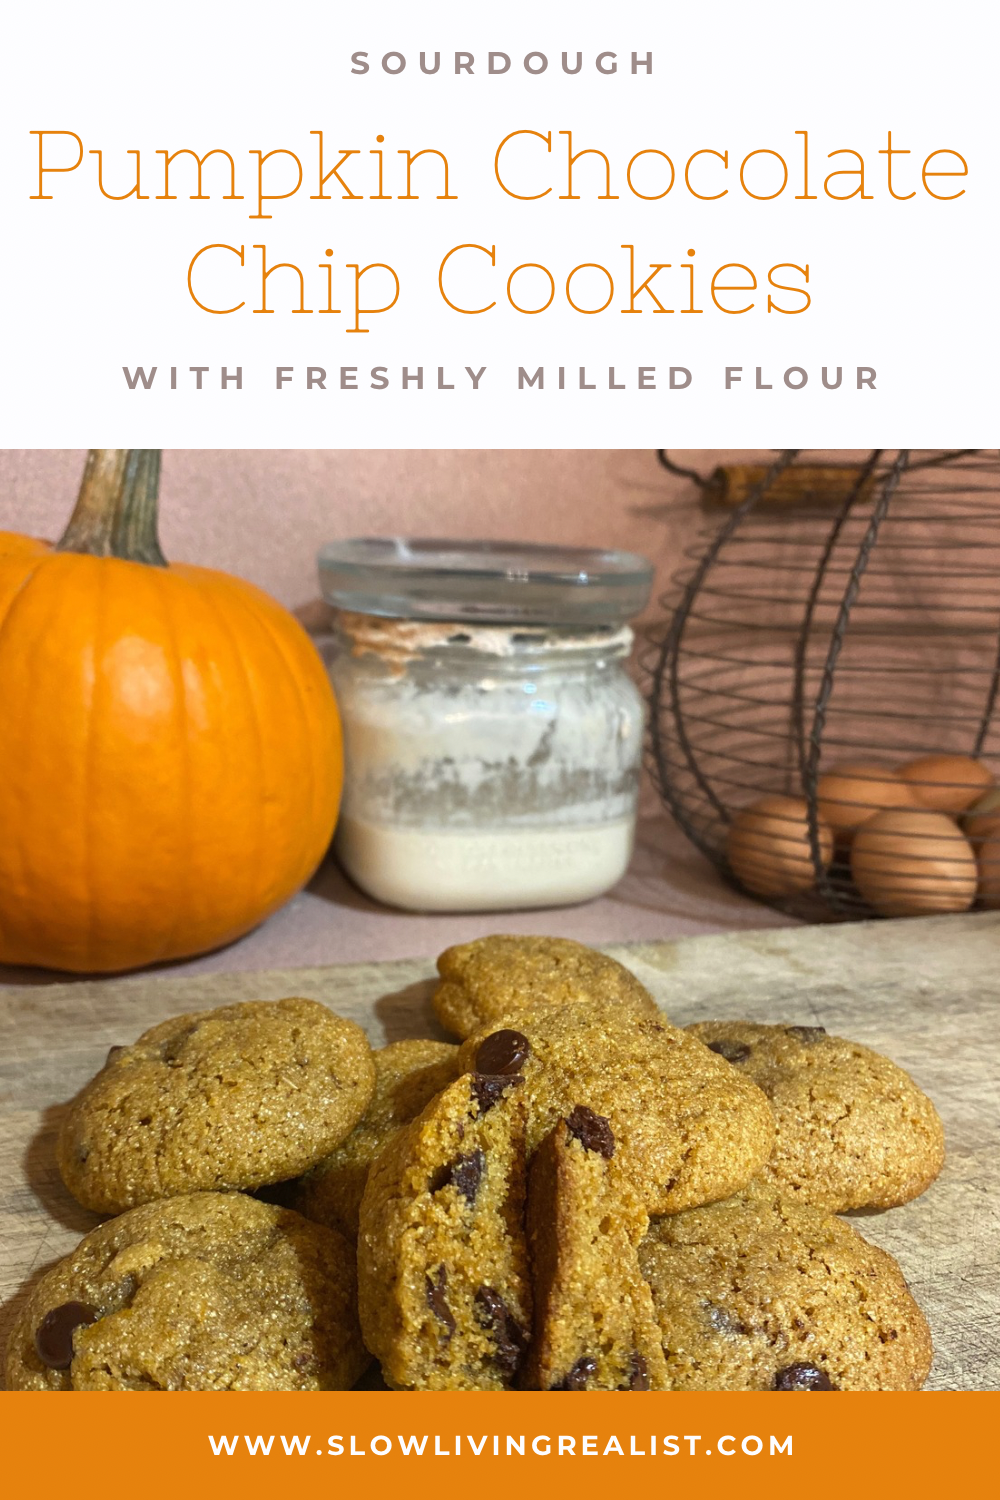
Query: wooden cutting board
{"points": [[925, 992]]}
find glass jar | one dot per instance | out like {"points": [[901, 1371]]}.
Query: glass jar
{"points": [[491, 756]]}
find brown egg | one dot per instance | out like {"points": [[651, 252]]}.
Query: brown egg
{"points": [[989, 869], [983, 817], [948, 783], [912, 863], [768, 846], [852, 792]]}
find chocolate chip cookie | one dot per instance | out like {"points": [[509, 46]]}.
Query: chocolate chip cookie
{"points": [[853, 1130], [595, 1326], [442, 1261], [231, 1098], [495, 976], [208, 1292], [684, 1134], [760, 1294], [407, 1076]]}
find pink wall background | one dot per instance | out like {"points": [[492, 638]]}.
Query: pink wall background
{"points": [[264, 513]]}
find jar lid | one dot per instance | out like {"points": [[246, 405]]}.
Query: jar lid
{"points": [[416, 578]]}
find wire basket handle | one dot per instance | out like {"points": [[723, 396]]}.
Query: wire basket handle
{"points": [[669, 650]]}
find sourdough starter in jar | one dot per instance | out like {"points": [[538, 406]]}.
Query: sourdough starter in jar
{"points": [[489, 764]]}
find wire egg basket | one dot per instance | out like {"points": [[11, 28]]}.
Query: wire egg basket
{"points": [[823, 689]]}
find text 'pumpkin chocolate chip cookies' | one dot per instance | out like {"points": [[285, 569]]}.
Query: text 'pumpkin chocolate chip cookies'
{"points": [[442, 1262], [687, 1127], [853, 1130], [208, 1292], [407, 1076], [595, 1327], [759, 1294], [495, 976], [237, 1097]]}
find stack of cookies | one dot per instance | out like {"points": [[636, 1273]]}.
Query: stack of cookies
{"points": [[576, 1196]]}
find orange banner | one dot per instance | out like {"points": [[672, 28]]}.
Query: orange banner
{"points": [[245, 1445]]}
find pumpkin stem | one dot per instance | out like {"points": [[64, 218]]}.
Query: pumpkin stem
{"points": [[115, 512]]}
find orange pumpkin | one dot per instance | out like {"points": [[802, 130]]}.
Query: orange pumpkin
{"points": [[170, 747], [12, 544]]}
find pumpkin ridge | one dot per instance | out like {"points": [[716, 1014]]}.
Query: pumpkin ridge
{"points": [[89, 863], [162, 586], [274, 637], [304, 709], [205, 592], [257, 620], [36, 564], [21, 590]]}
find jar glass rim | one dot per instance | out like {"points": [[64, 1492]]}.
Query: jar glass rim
{"points": [[489, 582]]}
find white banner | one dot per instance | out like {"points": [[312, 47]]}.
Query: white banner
{"points": [[408, 226]]}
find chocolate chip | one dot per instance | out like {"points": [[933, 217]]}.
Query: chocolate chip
{"points": [[508, 1335], [487, 1088], [592, 1131], [437, 1301], [465, 1173], [113, 1052], [638, 1373], [733, 1052], [809, 1035], [577, 1378], [503, 1052], [802, 1378], [490, 1306], [54, 1334], [721, 1320]]}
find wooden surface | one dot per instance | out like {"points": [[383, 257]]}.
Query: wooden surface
{"points": [[925, 992]]}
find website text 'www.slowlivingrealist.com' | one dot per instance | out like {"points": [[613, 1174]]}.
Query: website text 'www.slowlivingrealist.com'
{"points": [[541, 1445]]}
